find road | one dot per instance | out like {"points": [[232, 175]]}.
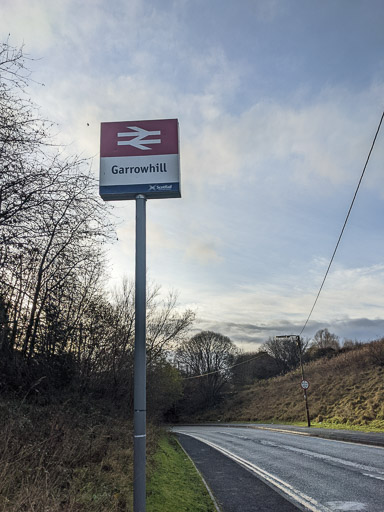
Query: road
{"points": [[319, 475]]}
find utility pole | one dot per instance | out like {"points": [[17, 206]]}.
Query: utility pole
{"points": [[304, 383]]}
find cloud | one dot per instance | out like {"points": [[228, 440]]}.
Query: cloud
{"points": [[203, 251], [312, 147], [282, 309], [24, 20], [262, 175], [251, 337]]}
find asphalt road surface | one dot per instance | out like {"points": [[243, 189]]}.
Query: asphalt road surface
{"points": [[319, 475]]}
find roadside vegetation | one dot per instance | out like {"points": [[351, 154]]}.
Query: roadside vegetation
{"points": [[175, 485], [78, 456], [346, 391], [69, 457]]}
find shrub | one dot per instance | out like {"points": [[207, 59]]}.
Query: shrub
{"points": [[376, 352]]}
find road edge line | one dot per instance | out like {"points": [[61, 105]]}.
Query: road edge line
{"points": [[295, 496]]}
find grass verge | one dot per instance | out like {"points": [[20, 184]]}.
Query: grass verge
{"points": [[373, 426], [174, 484], [377, 426]]}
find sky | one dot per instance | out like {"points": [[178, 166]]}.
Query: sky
{"points": [[278, 102]]}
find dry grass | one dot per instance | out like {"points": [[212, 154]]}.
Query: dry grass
{"points": [[66, 459], [347, 389]]}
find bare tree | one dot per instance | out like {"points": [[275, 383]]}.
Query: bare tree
{"points": [[252, 366], [66, 232], [24, 137], [285, 352], [325, 339], [108, 335], [208, 356], [52, 221], [166, 326]]}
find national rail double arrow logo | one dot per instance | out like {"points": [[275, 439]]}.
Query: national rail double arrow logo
{"points": [[139, 157], [139, 135]]}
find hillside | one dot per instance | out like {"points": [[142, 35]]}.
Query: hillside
{"points": [[346, 389]]}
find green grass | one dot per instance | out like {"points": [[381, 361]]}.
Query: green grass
{"points": [[374, 426], [175, 485]]}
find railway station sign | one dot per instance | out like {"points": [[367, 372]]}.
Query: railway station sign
{"points": [[139, 157]]}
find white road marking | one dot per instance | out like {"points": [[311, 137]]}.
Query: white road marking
{"points": [[365, 470], [347, 505], [328, 458], [374, 476], [293, 494]]}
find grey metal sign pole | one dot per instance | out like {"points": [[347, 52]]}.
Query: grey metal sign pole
{"points": [[139, 463], [154, 166]]}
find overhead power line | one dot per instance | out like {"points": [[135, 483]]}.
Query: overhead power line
{"points": [[345, 223], [223, 369], [329, 266]]}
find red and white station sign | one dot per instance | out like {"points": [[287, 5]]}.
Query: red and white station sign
{"points": [[139, 157]]}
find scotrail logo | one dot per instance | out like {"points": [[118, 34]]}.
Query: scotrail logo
{"points": [[158, 188], [139, 135]]}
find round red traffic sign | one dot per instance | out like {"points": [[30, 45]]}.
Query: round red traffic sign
{"points": [[304, 384]]}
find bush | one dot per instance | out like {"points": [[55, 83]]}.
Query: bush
{"points": [[376, 352], [63, 458]]}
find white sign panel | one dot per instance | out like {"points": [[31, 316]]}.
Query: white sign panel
{"points": [[139, 157]]}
